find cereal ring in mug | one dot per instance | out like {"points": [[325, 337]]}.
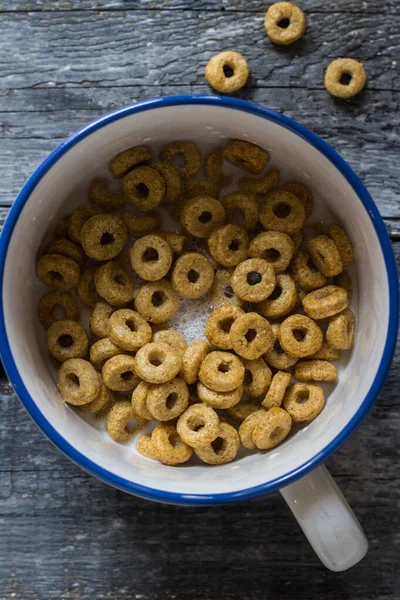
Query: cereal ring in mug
{"points": [[251, 335], [325, 255], [168, 446], [190, 154], [200, 187], [176, 241], [67, 339], [275, 247], [144, 187], [325, 302], [102, 350], [166, 401], [198, 425], [227, 72], [103, 398], [272, 429], [277, 390], [221, 291], [241, 209], [341, 239], [247, 156], [283, 211], [66, 248], [119, 373], [192, 358], [98, 320], [253, 280], [201, 215], [104, 236], [345, 77], [299, 336], [173, 182], [340, 332], [247, 426], [305, 273], [219, 323], [59, 302], [128, 159], [139, 398], [58, 271], [78, 381], [100, 193], [302, 192], [156, 301], [114, 284], [219, 400], [228, 245], [192, 275], [223, 449], [213, 167], [304, 401], [282, 300], [326, 353], [276, 357], [244, 408], [315, 370], [173, 338], [151, 257], [221, 371], [79, 218], [343, 280], [128, 329], [257, 377], [284, 23], [261, 185], [118, 420], [86, 289], [297, 239], [146, 447], [141, 225], [61, 229], [157, 362]]}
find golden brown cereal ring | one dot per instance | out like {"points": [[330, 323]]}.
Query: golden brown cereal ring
{"points": [[67, 339], [345, 77], [100, 193], [253, 280], [219, 325], [192, 275], [79, 218], [200, 187], [221, 291], [246, 407], [198, 425], [114, 284], [157, 362], [167, 401], [98, 320], [272, 429], [343, 243], [86, 290], [173, 182], [282, 211], [168, 446], [343, 280], [297, 239], [300, 336], [247, 426], [227, 71], [176, 241], [326, 353], [325, 302], [128, 329], [246, 155], [190, 154], [51, 302], [241, 209], [228, 245], [117, 421], [276, 357], [340, 332], [316, 370], [146, 447], [213, 167], [251, 336], [103, 236], [302, 192], [219, 399], [128, 159], [102, 350], [257, 377], [151, 257], [275, 247], [282, 300], [66, 248], [173, 338], [221, 371], [141, 225], [156, 301], [201, 215], [61, 229], [192, 358], [305, 273], [119, 373], [223, 449], [139, 397], [99, 402], [78, 381], [304, 401], [58, 271], [277, 389], [261, 185], [284, 23], [325, 255], [144, 187]]}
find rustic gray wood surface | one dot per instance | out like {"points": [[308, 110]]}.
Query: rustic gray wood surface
{"points": [[65, 535]]}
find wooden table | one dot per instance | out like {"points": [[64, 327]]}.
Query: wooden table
{"points": [[65, 535]]}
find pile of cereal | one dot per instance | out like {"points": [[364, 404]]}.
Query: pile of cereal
{"points": [[280, 311]]}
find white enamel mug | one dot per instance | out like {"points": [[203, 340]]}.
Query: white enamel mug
{"points": [[293, 467]]}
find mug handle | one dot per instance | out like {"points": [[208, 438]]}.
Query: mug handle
{"points": [[326, 519]]}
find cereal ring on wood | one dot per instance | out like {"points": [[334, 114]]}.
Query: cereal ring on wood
{"points": [[166, 401], [345, 77], [223, 449], [200, 187], [157, 362], [284, 23], [52, 302], [276, 357], [61, 229], [192, 275], [173, 182], [326, 353], [79, 218], [257, 377], [272, 429], [247, 156], [304, 401], [275, 247], [119, 373], [66, 248], [260, 185], [128, 329], [192, 358], [299, 336], [104, 236], [156, 301], [325, 302], [102, 350], [277, 390], [67, 339], [227, 72], [176, 241], [282, 300], [100, 193], [219, 399], [221, 371], [128, 159], [99, 402], [253, 280], [305, 273], [325, 255], [247, 426], [78, 381], [221, 291], [114, 284], [345, 247], [198, 425], [241, 209], [146, 447], [173, 338], [58, 271], [151, 257], [190, 154], [282, 211], [118, 420], [139, 397], [144, 187], [201, 215], [343, 280], [141, 225], [228, 245], [251, 335], [98, 320], [297, 239], [244, 408], [316, 370], [219, 325], [340, 332], [168, 446], [302, 192], [213, 167]]}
